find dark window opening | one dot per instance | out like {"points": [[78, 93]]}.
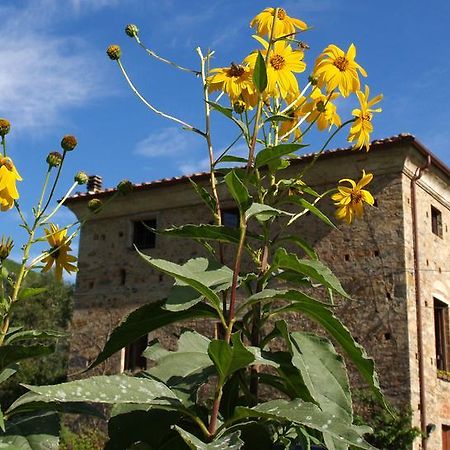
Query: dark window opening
{"points": [[230, 217], [445, 437], [133, 355], [441, 335], [143, 236], [436, 221]]}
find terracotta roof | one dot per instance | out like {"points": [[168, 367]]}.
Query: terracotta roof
{"points": [[386, 142]]}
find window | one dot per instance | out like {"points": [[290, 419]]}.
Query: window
{"points": [[436, 221], [230, 217], [445, 437], [441, 334], [133, 359], [143, 236]]}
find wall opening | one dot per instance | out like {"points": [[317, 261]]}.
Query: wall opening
{"points": [[441, 335], [436, 221], [143, 235], [133, 359]]}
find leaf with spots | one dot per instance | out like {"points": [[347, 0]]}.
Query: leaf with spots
{"points": [[231, 442]]}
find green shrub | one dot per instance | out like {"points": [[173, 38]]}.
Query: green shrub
{"points": [[87, 439]]}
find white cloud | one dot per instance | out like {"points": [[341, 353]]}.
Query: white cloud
{"points": [[79, 5], [170, 141], [40, 73], [191, 167]]}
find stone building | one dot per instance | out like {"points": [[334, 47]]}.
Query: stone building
{"points": [[395, 263]]}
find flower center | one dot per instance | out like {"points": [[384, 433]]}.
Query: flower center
{"points": [[277, 62], [356, 196], [54, 252], [320, 106], [341, 63], [235, 70], [367, 116], [7, 162], [281, 13]]}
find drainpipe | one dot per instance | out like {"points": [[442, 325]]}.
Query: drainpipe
{"points": [[420, 350]]}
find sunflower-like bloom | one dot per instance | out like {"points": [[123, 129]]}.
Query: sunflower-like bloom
{"points": [[281, 65], [59, 252], [350, 200], [362, 126], [284, 24], [8, 178], [336, 69], [322, 110], [236, 81]]}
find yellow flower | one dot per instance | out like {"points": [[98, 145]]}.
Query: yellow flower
{"points": [[336, 69], [236, 81], [322, 110], [349, 200], [362, 126], [284, 24], [281, 64], [8, 178], [59, 252]]}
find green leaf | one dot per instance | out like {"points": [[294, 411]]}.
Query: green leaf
{"points": [[8, 372], [309, 415], [34, 334], [189, 274], [227, 359], [309, 251], [326, 378], [185, 369], [263, 212], [238, 191], [228, 112], [144, 320], [278, 118], [231, 158], [321, 314], [112, 389], [260, 73], [10, 354], [207, 198], [313, 209], [271, 153], [32, 432], [315, 270], [31, 292], [204, 231], [231, 442]]}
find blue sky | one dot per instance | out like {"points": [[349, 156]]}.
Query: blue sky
{"points": [[56, 79]]}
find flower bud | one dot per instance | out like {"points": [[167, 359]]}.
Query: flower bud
{"points": [[95, 205], [81, 178], [131, 30], [68, 143], [312, 80], [5, 126], [6, 245], [125, 187], [239, 107], [114, 52], [54, 159]]}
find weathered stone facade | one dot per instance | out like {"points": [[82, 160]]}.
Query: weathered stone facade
{"points": [[374, 259]]}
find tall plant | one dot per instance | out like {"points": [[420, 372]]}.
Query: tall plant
{"points": [[166, 406]]}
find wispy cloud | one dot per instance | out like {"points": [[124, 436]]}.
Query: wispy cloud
{"points": [[81, 5], [171, 141], [40, 72]]}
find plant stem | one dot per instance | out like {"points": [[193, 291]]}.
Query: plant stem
{"points": [[215, 411]]}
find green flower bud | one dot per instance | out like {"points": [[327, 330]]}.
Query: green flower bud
{"points": [[131, 30], [68, 143], [6, 245], [81, 178], [114, 52], [5, 126], [125, 187], [54, 159], [95, 205], [239, 107]]}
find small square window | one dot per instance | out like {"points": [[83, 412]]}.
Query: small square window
{"points": [[436, 221], [230, 217], [133, 355], [143, 236]]}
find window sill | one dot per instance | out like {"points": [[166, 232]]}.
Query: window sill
{"points": [[443, 375]]}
